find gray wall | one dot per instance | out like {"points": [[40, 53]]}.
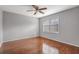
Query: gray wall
{"points": [[68, 27], [17, 26], [1, 33]]}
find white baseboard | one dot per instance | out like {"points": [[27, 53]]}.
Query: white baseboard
{"points": [[20, 38]]}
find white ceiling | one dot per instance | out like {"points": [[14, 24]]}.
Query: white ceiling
{"points": [[22, 9]]}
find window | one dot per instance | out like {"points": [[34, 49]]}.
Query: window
{"points": [[51, 26]]}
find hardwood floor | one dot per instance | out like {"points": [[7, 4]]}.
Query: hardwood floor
{"points": [[34, 46], [0, 50], [23, 46], [62, 47]]}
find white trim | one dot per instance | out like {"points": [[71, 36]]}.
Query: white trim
{"points": [[61, 41], [20, 38]]}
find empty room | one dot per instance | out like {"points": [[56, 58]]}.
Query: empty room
{"points": [[39, 29]]}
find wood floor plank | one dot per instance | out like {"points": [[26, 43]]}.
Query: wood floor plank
{"points": [[35, 45]]}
